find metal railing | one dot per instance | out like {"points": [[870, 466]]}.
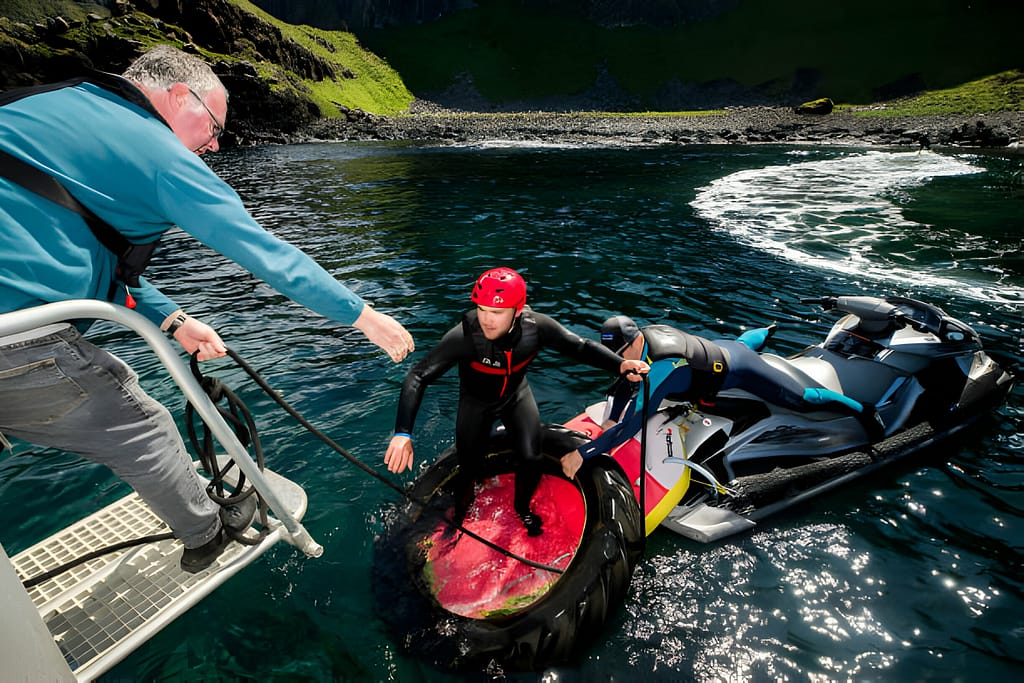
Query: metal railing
{"points": [[48, 314]]}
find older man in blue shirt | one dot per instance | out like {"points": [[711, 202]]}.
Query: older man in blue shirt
{"points": [[127, 149]]}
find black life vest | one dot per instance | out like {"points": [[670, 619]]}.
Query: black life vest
{"points": [[498, 367]]}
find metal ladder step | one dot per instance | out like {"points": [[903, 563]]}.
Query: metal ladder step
{"points": [[100, 611]]}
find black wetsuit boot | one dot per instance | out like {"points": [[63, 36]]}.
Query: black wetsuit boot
{"points": [[527, 477], [461, 488]]}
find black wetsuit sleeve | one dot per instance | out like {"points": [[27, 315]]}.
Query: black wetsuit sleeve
{"points": [[439, 360], [556, 337]]}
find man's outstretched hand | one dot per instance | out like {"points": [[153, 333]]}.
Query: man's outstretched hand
{"points": [[385, 332]]}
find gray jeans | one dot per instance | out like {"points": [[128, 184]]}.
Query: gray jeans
{"points": [[60, 391]]}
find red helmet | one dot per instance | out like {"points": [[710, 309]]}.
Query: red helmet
{"points": [[500, 288]]}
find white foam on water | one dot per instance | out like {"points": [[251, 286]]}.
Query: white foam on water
{"points": [[502, 143], [839, 215]]}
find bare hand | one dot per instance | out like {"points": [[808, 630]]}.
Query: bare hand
{"points": [[571, 463], [195, 335], [634, 370], [399, 454], [385, 332]]}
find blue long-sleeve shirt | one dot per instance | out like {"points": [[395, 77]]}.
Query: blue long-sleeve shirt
{"points": [[128, 167]]}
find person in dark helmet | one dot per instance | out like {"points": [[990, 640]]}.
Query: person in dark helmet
{"points": [[618, 334], [685, 367], [493, 347]]}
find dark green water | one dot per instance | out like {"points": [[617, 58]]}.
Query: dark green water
{"points": [[912, 575]]}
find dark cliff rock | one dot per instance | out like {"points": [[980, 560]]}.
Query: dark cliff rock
{"points": [[351, 15], [60, 48], [221, 27], [354, 15]]}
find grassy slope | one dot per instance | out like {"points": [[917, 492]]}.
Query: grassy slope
{"points": [[1001, 92], [30, 11], [376, 88]]}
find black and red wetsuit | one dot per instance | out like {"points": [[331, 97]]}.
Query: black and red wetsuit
{"points": [[493, 386]]}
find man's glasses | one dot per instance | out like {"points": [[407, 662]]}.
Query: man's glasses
{"points": [[218, 128]]}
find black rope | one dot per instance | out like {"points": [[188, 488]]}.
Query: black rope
{"points": [[643, 457], [237, 415], [60, 569]]}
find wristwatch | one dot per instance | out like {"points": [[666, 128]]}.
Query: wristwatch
{"points": [[177, 322]]}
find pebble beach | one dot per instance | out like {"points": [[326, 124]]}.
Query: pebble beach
{"points": [[747, 125]]}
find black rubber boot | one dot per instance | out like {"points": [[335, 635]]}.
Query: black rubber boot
{"points": [[461, 489], [532, 522], [463, 499], [527, 478], [234, 518]]}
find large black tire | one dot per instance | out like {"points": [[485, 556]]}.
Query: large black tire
{"points": [[557, 627]]}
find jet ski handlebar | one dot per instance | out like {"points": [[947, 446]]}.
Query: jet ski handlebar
{"points": [[877, 316]]}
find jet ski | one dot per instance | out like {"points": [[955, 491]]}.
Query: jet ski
{"points": [[893, 377]]}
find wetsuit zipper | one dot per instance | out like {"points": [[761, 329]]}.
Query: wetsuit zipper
{"points": [[508, 372]]}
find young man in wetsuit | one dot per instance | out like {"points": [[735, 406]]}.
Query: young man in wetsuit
{"points": [[493, 347], [684, 367]]}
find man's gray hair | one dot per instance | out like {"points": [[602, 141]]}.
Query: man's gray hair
{"points": [[164, 65]]}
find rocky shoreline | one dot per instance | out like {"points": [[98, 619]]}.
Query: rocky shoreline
{"points": [[747, 125]]}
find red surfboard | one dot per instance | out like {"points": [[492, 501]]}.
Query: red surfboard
{"points": [[471, 579]]}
